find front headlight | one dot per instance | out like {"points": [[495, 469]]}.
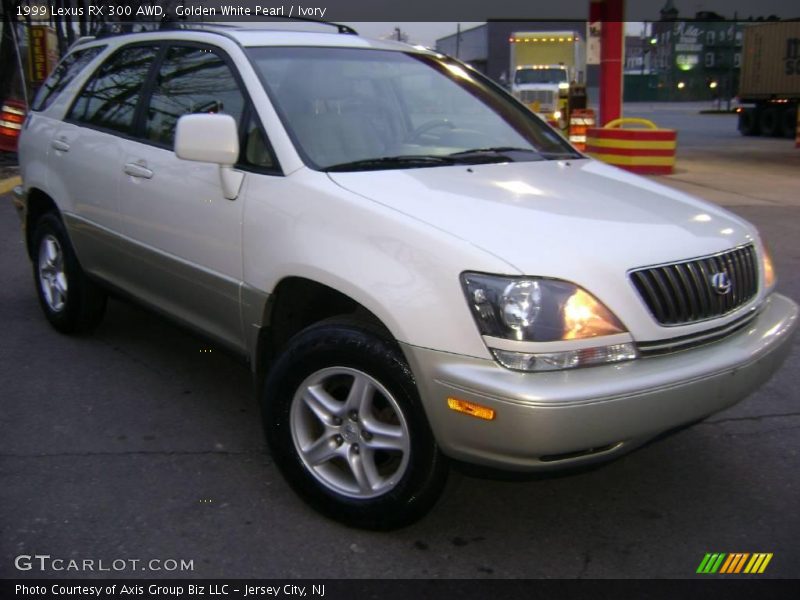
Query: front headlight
{"points": [[535, 309]]}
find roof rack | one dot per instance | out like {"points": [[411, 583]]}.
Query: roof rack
{"points": [[341, 28], [111, 28], [82, 40]]}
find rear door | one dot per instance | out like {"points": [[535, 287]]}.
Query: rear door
{"points": [[87, 152]]}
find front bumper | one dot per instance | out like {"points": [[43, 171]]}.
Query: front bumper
{"points": [[563, 418]]}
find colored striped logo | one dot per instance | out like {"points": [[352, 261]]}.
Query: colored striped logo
{"points": [[737, 562]]}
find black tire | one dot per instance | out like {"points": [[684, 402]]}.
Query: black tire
{"points": [[332, 355], [789, 122], [748, 122], [82, 303], [769, 122]]}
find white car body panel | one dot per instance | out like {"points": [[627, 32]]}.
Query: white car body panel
{"points": [[402, 269], [181, 213]]}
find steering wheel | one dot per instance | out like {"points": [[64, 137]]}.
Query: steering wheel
{"points": [[429, 126]]}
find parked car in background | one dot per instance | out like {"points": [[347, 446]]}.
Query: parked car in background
{"points": [[416, 267]]}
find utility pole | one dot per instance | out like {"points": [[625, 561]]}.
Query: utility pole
{"points": [[458, 39], [645, 45]]}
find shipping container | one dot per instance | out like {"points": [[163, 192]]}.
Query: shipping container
{"points": [[770, 79]]}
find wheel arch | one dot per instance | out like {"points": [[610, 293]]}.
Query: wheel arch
{"points": [[297, 303], [37, 204]]}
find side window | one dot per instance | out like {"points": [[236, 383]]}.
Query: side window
{"points": [[190, 80], [67, 70], [255, 152], [109, 99]]}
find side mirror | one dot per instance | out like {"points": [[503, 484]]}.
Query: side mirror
{"points": [[207, 138], [214, 139]]}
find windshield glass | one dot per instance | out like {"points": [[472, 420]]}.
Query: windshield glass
{"points": [[540, 76], [356, 109]]}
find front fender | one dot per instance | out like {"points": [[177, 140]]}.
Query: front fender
{"points": [[404, 271]]}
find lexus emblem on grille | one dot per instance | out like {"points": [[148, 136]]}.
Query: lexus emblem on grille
{"points": [[721, 283]]}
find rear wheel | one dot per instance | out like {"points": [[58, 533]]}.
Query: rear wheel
{"points": [[346, 427], [789, 122], [769, 121], [70, 301]]}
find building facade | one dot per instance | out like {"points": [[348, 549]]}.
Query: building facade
{"points": [[696, 59]]}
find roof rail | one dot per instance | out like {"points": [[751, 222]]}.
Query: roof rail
{"points": [[112, 28], [81, 40], [341, 28]]}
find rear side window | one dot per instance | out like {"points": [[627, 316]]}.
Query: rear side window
{"points": [[67, 70], [109, 99], [190, 80]]}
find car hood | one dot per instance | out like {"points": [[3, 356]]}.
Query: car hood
{"points": [[577, 219]]}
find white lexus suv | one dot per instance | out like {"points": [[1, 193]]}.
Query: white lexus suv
{"points": [[416, 267]]}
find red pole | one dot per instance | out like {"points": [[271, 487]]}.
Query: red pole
{"points": [[612, 39]]}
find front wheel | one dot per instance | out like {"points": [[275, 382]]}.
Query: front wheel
{"points": [[346, 427]]}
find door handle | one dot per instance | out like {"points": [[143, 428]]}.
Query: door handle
{"points": [[138, 170], [60, 144]]}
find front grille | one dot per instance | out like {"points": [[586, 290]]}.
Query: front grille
{"points": [[683, 292], [543, 97]]}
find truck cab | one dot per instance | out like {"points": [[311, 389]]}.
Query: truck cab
{"points": [[542, 88]]}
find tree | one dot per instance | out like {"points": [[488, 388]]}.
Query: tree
{"points": [[10, 77], [67, 28]]}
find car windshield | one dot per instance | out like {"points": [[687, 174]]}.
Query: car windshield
{"points": [[352, 109], [532, 75]]}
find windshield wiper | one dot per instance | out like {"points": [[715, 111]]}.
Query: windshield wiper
{"points": [[392, 162], [560, 155], [492, 154]]}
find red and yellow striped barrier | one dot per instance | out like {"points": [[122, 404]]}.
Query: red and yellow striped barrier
{"points": [[648, 151]]}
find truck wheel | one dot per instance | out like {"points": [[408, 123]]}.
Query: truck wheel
{"points": [[70, 301], [748, 123], [789, 122], [345, 425], [769, 121]]}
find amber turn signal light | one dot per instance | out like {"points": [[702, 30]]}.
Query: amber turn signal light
{"points": [[471, 409]]}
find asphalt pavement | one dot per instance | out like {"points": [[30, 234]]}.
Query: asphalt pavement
{"points": [[138, 443]]}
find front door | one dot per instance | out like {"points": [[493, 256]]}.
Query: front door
{"points": [[184, 236]]}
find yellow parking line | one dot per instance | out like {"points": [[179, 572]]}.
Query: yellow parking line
{"points": [[6, 185]]}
